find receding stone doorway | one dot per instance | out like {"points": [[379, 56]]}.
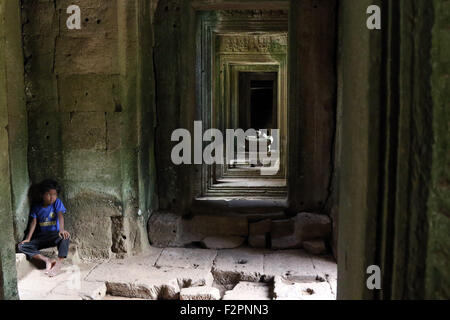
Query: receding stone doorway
{"points": [[234, 47], [215, 47]]}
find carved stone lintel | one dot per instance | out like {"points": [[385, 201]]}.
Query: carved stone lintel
{"points": [[253, 43], [257, 14]]}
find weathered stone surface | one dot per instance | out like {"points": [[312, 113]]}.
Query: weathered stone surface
{"points": [[290, 233], [289, 290], [23, 266], [87, 290], [141, 281], [258, 232], [316, 247], [283, 235], [87, 93], [90, 223], [187, 258], [248, 291], [164, 229], [200, 293], [223, 242], [38, 286], [293, 264], [202, 226], [309, 226], [93, 54], [325, 267], [84, 130], [242, 264]]}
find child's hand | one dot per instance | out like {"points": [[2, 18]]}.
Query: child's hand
{"points": [[64, 234], [24, 241]]}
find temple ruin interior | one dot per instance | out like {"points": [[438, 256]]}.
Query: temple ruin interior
{"points": [[357, 117]]}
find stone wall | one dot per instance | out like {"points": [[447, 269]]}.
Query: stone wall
{"points": [[88, 114], [13, 164], [438, 255]]}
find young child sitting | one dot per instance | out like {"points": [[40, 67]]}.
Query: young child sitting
{"points": [[47, 228]]}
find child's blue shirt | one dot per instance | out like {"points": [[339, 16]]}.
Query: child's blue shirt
{"points": [[47, 218]]}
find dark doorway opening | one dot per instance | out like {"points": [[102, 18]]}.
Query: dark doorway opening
{"points": [[258, 105]]}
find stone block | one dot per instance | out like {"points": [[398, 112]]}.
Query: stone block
{"points": [[242, 264], [316, 247], [98, 19], [283, 235], [187, 258], [289, 290], [84, 130], [200, 293], [164, 229], [89, 55], [202, 226], [223, 242], [310, 226], [126, 279], [258, 233], [40, 85], [85, 166], [87, 93], [293, 264], [39, 17], [248, 291]]}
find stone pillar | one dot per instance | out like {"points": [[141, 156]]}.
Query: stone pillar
{"points": [[9, 22], [312, 102]]}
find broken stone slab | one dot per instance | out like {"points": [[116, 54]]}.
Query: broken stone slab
{"points": [[258, 232], [223, 242], [140, 281], [292, 264], [234, 265], [200, 293], [316, 247], [311, 226], [187, 258], [285, 289], [248, 291]]}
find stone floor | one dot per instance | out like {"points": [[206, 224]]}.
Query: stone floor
{"points": [[188, 274]]}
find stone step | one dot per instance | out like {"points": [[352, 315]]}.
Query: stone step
{"points": [[24, 267], [239, 206], [249, 291], [285, 289]]}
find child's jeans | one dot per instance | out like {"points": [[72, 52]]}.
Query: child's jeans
{"points": [[43, 241]]}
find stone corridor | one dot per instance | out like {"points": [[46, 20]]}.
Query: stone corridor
{"points": [[186, 274]]}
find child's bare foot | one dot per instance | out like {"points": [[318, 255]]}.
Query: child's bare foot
{"points": [[55, 270], [49, 264]]}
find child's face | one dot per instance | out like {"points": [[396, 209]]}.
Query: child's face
{"points": [[50, 197]]}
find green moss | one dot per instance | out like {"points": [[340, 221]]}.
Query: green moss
{"points": [[438, 255]]}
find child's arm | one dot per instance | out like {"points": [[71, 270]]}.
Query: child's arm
{"points": [[62, 232], [31, 231]]}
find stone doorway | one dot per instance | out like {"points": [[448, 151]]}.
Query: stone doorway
{"points": [[238, 51]]}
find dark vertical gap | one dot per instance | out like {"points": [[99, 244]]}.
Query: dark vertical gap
{"points": [[383, 188], [388, 155]]}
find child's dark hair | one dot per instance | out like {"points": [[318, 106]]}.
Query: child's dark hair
{"points": [[48, 185]]}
